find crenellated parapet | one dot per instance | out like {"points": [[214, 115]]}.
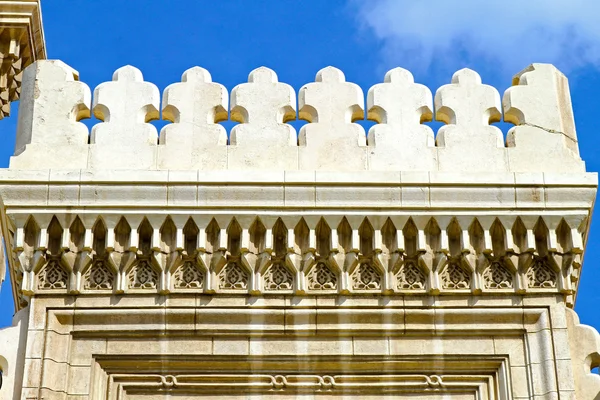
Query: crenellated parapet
{"points": [[54, 103], [584, 343]]}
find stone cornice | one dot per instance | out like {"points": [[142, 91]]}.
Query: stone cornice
{"points": [[25, 14], [21, 43], [526, 207], [291, 190]]}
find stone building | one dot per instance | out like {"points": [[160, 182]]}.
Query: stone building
{"points": [[267, 263]]}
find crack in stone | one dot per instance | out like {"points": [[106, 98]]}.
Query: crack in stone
{"points": [[550, 131]]}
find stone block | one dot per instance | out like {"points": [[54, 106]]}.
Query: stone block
{"points": [[331, 141], [54, 375], [57, 347], [35, 344], [49, 134], [79, 380], [194, 140], [399, 141], [83, 350], [513, 347], [233, 346], [125, 140], [32, 373], [371, 346], [539, 103], [468, 107]]}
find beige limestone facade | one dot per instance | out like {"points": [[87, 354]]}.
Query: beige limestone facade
{"points": [[265, 263]]}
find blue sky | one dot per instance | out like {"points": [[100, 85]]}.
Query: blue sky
{"points": [[363, 38]]}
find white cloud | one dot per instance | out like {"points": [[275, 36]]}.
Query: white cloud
{"points": [[508, 33]]}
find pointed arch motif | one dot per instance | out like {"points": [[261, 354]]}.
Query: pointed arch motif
{"points": [[301, 237], [258, 234], [144, 274], [168, 236], [190, 274], [100, 275], [519, 232], [234, 238], [476, 236], [367, 275], [55, 237], [190, 237], [322, 276], [32, 233], [99, 232], [455, 242], [344, 233], [234, 275], [498, 236], [542, 273], [499, 273], [122, 236], [323, 233], [280, 238], [411, 275], [145, 233], [213, 237], [76, 235], [278, 276], [433, 236], [53, 275], [389, 237], [411, 234]]}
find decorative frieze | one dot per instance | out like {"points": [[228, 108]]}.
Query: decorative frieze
{"points": [[256, 258]]}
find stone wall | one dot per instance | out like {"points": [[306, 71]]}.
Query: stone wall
{"points": [[266, 263]]}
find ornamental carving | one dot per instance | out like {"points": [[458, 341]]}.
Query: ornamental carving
{"points": [[52, 276], [454, 276], [366, 277], [98, 276], [410, 276], [293, 382], [278, 277], [188, 276], [540, 275], [497, 276], [233, 277], [408, 273], [321, 277], [143, 276]]}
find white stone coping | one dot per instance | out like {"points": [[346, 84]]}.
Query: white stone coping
{"points": [[296, 189]]}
